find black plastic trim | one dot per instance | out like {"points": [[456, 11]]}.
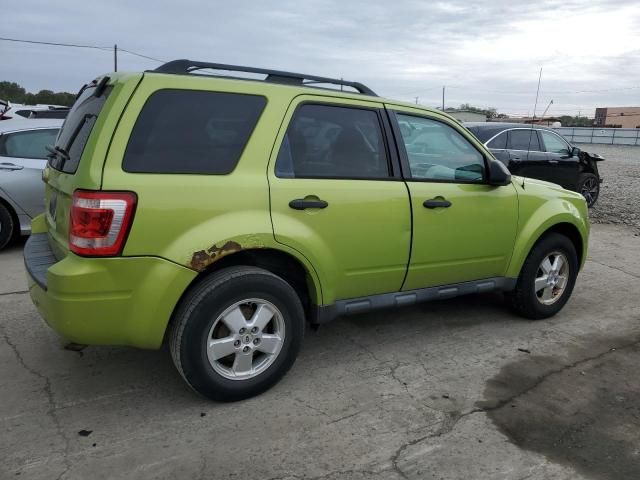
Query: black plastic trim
{"points": [[326, 313], [38, 257], [184, 66]]}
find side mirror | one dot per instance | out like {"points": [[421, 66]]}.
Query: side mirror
{"points": [[574, 151], [499, 175]]}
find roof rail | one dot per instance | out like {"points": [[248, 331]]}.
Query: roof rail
{"points": [[187, 66]]}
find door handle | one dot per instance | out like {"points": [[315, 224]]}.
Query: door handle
{"points": [[10, 166], [302, 204], [436, 203], [553, 161]]}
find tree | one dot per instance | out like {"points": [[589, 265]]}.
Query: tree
{"points": [[577, 121], [489, 112], [16, 94]]}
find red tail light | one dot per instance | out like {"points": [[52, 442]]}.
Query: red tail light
{"points": [[100, 222]]}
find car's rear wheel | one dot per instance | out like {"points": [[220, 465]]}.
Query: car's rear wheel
{"points": [[237, 333], [589, 187], [7, 226], [546, 279]]}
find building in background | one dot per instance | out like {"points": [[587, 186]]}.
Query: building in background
{"points": [[622, 117], [466, 115]]}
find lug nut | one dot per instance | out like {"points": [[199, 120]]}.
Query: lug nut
{"points": [[242, 330], [245, 349], [254, 330], [256, 341], [236, 343]]}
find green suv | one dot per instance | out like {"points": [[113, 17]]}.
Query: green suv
{"points": [[223, 214]]}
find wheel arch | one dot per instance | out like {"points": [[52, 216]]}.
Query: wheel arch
{"points": [[284, 264], [564, 226]]}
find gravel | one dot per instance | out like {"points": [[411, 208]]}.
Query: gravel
{"points": [[619, 200]]}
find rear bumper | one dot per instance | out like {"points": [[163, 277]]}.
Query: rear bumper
{"points": [[104, 301]]}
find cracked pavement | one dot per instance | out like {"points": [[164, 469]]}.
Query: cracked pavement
{"points": [[434, 391]]}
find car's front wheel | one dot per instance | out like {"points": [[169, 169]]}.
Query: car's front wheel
{"points": [[546, 279], [237, 333], [589, 187]]}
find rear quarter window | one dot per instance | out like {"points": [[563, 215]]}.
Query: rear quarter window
{"points": [[187, 131]]}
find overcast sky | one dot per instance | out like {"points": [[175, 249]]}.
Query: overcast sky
{"points": [[487, 52]]}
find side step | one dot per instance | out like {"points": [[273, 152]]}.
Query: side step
{"points": [[326, 313]]}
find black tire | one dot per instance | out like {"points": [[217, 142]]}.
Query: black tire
{"points": [[7, 226], [524, 299], [195, 317], [589, 187]]}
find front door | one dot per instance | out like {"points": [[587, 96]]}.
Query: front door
{"points": [[527, 157], [337, 196], [463, 228], [563, 167]]}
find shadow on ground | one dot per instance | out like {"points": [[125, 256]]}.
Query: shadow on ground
{"points": [[583, 411]]}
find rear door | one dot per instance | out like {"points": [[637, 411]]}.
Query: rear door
{"points": [[526, 155], [563, 168], [338, 198], [22, 159], [463, 228]]}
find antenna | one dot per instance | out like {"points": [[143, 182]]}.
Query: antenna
{"points": [[535, 105]]}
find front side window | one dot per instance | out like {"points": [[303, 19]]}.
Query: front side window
{"points": [[524, 139], [189, 131], [28, 144], [437, 151], [327, 141], [554, 143]]}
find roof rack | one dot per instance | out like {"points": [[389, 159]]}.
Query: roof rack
{"points": [[187, 66]]}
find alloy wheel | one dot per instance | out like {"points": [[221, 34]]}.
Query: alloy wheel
{"points": [[551, 278], [589, 190], [245, 339]]}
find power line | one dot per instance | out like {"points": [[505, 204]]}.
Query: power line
{"points": [[57, 44], [141, 55], [79, 45]]}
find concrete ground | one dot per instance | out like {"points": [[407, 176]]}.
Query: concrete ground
{"points": [[460, 389]]}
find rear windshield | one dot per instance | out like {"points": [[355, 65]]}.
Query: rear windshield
{"points": [[77, 128], [187, 131]]}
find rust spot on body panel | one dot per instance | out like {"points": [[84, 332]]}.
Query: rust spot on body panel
{"points": [[203, 258]]}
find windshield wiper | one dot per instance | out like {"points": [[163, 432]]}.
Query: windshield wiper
{"points": [[55, 151]]}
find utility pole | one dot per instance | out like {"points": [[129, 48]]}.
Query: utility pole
{"points": [[416, 100], [115, 57], [443, 98]]}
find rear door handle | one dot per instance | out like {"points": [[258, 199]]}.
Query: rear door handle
{"points": [[303, 204], [436, 203], [10, 166], [553, 161]]}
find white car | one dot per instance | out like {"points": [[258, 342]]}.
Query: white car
{"points": [[23, 156]]}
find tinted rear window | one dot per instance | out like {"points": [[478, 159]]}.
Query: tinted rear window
{"points": [[498, 143], [77, 127], [186, 131], [524, 139]]}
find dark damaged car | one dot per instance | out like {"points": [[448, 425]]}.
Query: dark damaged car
{"points": [[538, 152]]}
